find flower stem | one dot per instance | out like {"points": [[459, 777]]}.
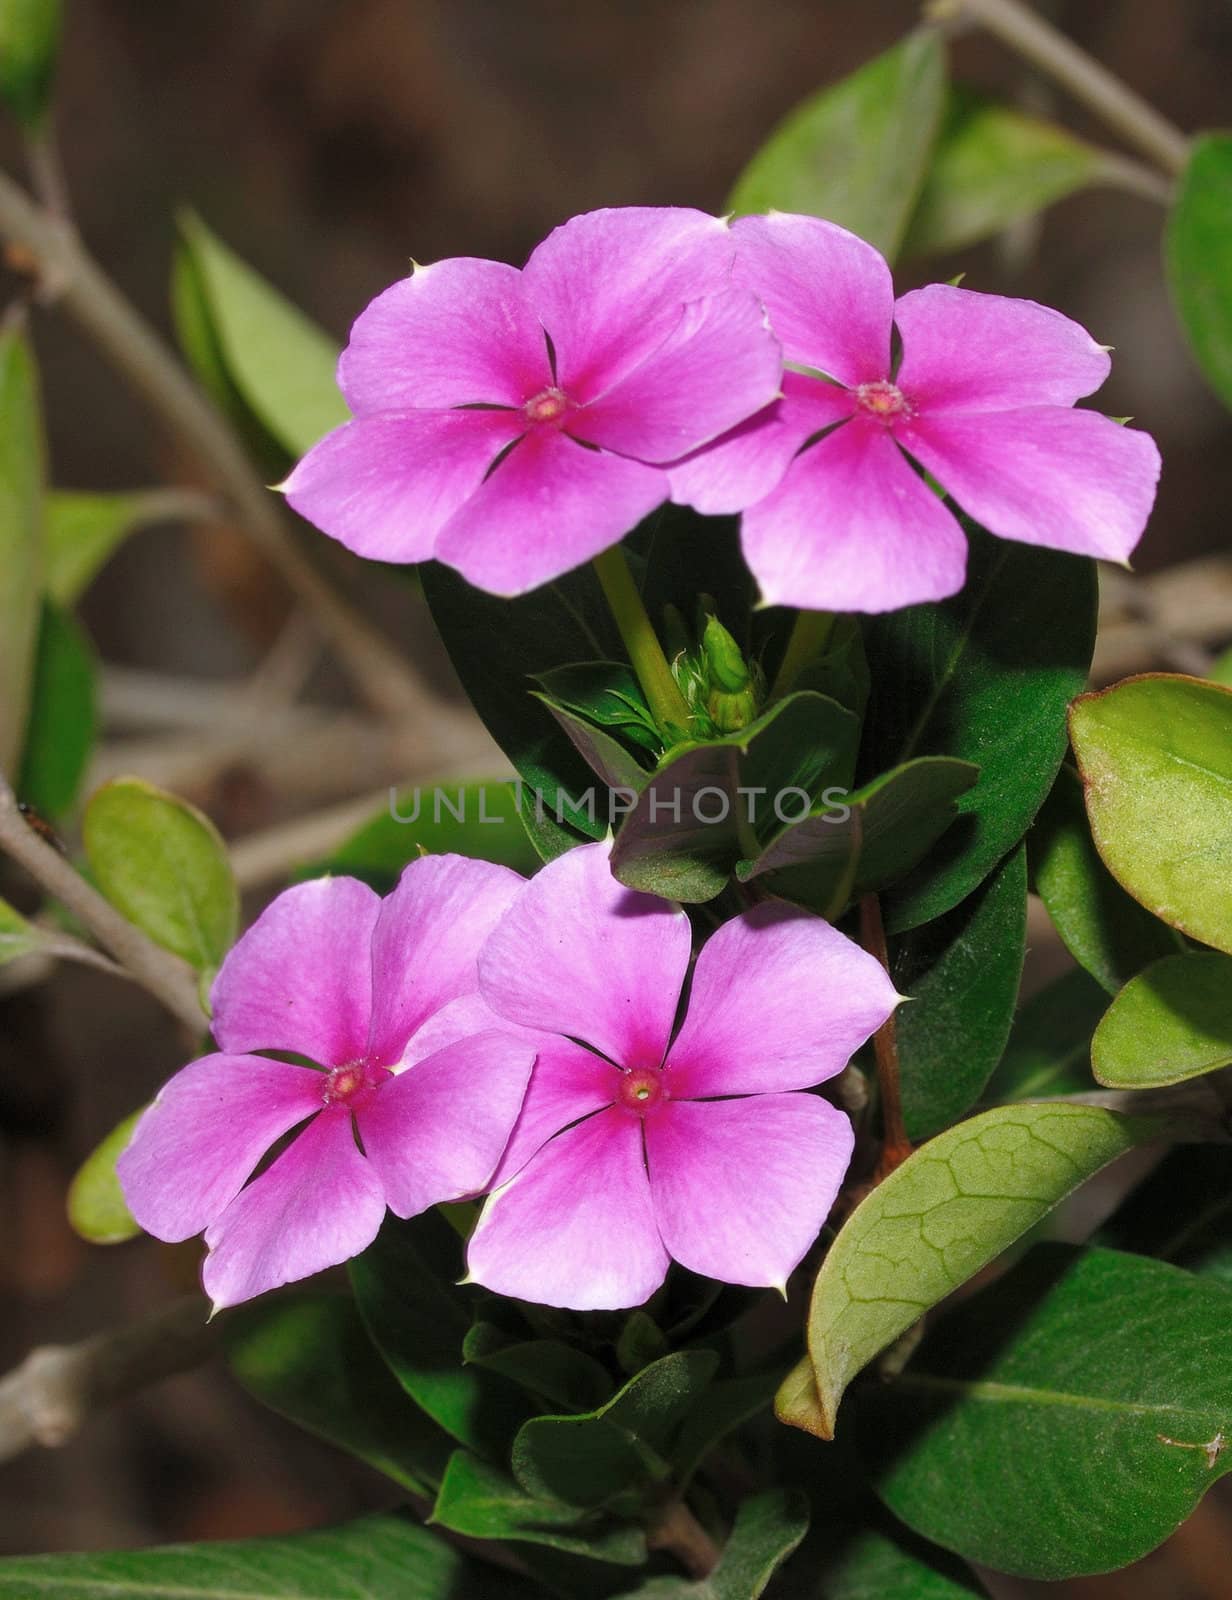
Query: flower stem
{"points": [[810, 633], [895, 1146], [680, 1533], [664, 698]]}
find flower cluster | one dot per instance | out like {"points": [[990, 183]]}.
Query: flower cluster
{"points": [[474, 1032], [515, 424]]}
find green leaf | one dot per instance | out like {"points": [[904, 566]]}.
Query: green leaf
{"points": [[951, 1208], [1182, 1212], [378, 1558], [29, 45], [729, 1404], [606, 757], [161, 863], [1155, 754], [21, 538], [690, 824], [281, 363], [63, 715], [97, 1209], [991, 166], [767, 1529], [607, 694], [17, 936], [874, 836], [548, 1368], [1049, 1049], [1104, 930], [482, 1502], [962, 974], [84, 530], [618, 1452], [885, 1566], [857, 152], [308, 1357], [1109, 1374], [983, 677], [406, 1289], [1198, 253], [1173, 1021]]}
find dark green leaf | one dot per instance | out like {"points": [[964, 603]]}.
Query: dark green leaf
{"points": [[895, 1565], [962, 974], [548, 1368], [728, 1405], [1049, 1049], [767, 1529], [607, 694], [63, 715], [1182, 1212], [21, 538], [97, 1209], [29, 45], [1173, 1021], [606, 757], [984, 677], [1198, 251], [857, 152]]}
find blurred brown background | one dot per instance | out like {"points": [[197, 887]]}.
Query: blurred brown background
{"points": [[328, 141]]}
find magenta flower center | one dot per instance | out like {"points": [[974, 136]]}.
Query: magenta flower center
{"points": [[641, 1089], [353, 1085], [883, 399], [548, 406]]}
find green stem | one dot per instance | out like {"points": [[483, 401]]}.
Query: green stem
{"points": [[810, 633], [667, 704]]}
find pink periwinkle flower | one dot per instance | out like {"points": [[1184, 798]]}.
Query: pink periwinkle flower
{"points": [[515, 423], [984, 398], [372, 990], [637, 1145]]}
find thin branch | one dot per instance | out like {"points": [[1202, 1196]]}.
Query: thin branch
{"points": [[57, 1388], [139, 354], [168, 979], [1089, 82], [895, 1145]]}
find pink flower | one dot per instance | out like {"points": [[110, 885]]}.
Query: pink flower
{"points": [[635, 1146], [514, 424], [370, 989], [983, 398]]}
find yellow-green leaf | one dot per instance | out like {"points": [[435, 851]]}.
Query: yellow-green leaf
{"points": [[96, 1206], [21, 539]]}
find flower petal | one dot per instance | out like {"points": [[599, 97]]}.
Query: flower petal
{"points": [[718, 366], [743, 466], [853, 528], [568, 1083], [741, 1188], [575, 1227], [385, 486], [829, 294], [427, 941], [1068, 480], [197, 1145], [609, 286], [964, 351], [436, 1132], [318, 1205], [301, 978], [779, 1000], [579, 954], [455, 333], [549, 506]]}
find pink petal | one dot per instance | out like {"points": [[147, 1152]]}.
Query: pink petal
{"points": [[741, 1188], [548, 507], [743, 466], [575, 1228], [385, 486], [1068, 480], [579, 954], [318, 1205], [427, 942], [568, 1083], [779, 1000], [436, 1131], [197, 1145], [829, 294], [853, 528], [455, 333], [983, 352], [300, 979], [460, 1019], [719, 365], [609, 286]]}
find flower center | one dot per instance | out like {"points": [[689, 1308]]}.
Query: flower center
{"points": [[641, 1089], [353, 1084], [883, 400], [548, 406]]}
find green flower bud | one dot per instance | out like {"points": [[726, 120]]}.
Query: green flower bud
{"points": [[724, 661]]}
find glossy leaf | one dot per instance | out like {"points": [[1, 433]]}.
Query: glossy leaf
{"points": [[161, 862], [29, 45], [857, 152], [1198, 252], [991, 166], [767, 1529], [17, 936], [84, 530], [984, 677], [1155, 754], [1109, 1374], [21, 539], [951, 1208], [63, 715], [962, 974], [1173, 1021], [1049, 1048], [607, 694], [97, 1209]]}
